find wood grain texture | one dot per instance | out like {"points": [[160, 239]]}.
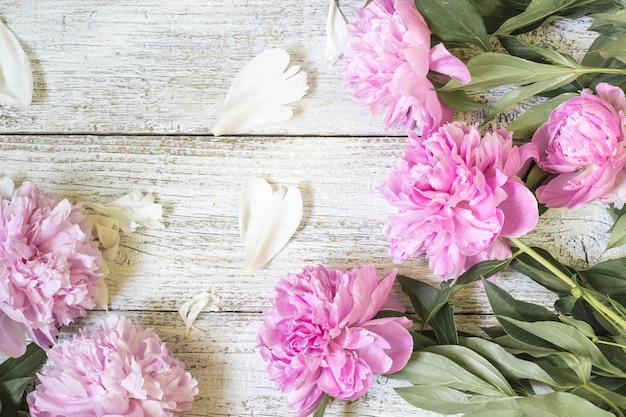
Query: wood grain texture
{"points": [[161, 67], [125, 95]]}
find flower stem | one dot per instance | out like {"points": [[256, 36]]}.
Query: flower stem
{"points": [[598, 394], [577, 291]]}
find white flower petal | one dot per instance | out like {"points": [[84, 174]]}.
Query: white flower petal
{"points": [[132, 210], [267, 220], [16, 76], [6, 187], [190, 310], [260, 93], [336, 33]]}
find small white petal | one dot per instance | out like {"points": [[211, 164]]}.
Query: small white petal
{"points": [[190, 310], [336, 33], [6, 187], [16, 76], [107, 231], [261, 92], [131, 211], [267, 220]]}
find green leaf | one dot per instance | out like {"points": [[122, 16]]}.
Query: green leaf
{"points": [[610, 22], [538, 11], [484, 269], [455, 21], [520, 94], [616, 49], [428, 368], [554, 404], [441, 399], [496, 12], [607, 277], [460, 101], [600, 395], [12, 394], [481, 270], [581, 326], [424, 299], [525, 125], [566, 337], [503, 304], [24, 365], [510, 365], [532, 52], [475, 363], [618, 230], [528, 266], [321, 408], [491, 69]]}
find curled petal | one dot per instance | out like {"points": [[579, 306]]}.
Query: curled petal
{"points": [[520, 210], [260, 93], [267, 220], [6, 187], [190, 309], [16, 77], [336, 33], [132, 210], [444, 62]]}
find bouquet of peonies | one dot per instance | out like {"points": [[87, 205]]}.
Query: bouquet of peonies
{"points": [[52, 270], [464, 196]]}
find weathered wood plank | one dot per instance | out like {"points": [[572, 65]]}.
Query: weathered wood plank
{"points": [[164, 67], [200, 180]]}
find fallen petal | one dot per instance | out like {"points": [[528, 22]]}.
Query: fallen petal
{"points": [[336, 33], [16, 76], [6, 187], [190, 310], [267, 220], [131, 211], [260, 93]]}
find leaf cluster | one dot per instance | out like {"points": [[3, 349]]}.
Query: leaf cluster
{"points": [[537, 71], [15, 375], [576, 357]]}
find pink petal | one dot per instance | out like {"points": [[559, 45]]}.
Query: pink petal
{"points": [[444, 62], [12, 338], [520, 210], [399, 345]]}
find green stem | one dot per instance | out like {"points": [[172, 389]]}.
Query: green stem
{"points": [[608, 402], [620, 71], [576, 291], [604, 342]]}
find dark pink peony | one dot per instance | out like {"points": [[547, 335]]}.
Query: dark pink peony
{"points": [[50, 268], [583, 144], [458, 198], [389, 57], [321, 336], [117, 370]]}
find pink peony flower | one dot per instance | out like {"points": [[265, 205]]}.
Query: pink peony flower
{"points": [[116, 370], [321, 336], [583, 144], [389, 57], [458, 198], [50, 268]]}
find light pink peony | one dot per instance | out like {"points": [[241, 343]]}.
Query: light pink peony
{"points": [[321, 336], [50, 268], [116, 370], [583, 142], [389, 57], [458, 198]]}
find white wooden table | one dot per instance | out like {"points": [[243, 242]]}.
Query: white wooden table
{"points": [[125, 96]]}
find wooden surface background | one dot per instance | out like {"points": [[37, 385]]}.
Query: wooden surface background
{"points": [[125, 96]]}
